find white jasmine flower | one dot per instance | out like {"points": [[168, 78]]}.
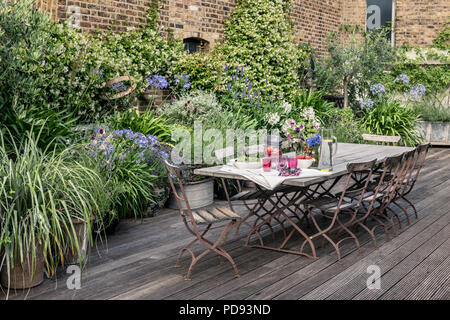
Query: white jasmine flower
{"points": [[273, 118]]}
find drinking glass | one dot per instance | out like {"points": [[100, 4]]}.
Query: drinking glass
{"points": [[282, 163], [266, 163], [292, 163]]}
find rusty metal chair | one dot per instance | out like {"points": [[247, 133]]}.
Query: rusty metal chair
{"points": [[381, 191], [202, 217], [416, 161], [345, 203], [244, 196]]}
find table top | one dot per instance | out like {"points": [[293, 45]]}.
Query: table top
{"points": [[346, 153]]}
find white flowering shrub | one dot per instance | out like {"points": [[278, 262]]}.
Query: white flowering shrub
{"points": [[259, 37], [53, 77]]}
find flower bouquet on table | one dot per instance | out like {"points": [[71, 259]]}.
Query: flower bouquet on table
{"points": [[303, 136]]}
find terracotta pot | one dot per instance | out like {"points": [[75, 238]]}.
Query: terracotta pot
{"points": [[24, 275]]}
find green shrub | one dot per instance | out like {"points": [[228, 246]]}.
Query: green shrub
{"points": [[313, 99], [40, 193], [389, 117], [259, 37], [190, 107], [54, 75], [205, 70], [133, 164], [433, 107], [146, 123], [345, 126]]}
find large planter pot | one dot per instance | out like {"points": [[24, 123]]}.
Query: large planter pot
{"points": [[199, 194], [161, 197], [24, 275], [436, 132], [71, 255]]}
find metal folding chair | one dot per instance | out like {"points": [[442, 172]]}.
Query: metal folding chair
{"points": [[380, 191], [346, 203], [202, 217], [244, 196], [416, 160]]}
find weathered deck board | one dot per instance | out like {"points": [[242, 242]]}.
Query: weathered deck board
{"points": [[139, 260]]}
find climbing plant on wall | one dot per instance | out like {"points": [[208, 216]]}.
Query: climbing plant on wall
{"points": [[259, 38]]}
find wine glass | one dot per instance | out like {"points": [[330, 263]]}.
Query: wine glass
{"points": [[282, 163]]}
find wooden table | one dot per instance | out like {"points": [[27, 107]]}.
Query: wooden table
{"points": [[305, 188]]}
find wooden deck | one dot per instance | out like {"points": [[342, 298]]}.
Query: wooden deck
{"points": [[139, 260]]}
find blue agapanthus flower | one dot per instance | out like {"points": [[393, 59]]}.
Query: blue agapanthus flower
{"points": [[366, 103], [157, 81], [403, 78], [118, 86], [184, 80], [417, 91], [377, 89], [314, 140]]}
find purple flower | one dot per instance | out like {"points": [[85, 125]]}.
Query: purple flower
{"points": [[195, 109], [417, 91], [366, 103], [183, 80], [157, 81], [377, 89], [118, 86], [403, 78], [226, 67]]}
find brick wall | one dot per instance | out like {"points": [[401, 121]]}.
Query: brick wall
{"points": [[196, 18], [314, 19], [418, 22]]}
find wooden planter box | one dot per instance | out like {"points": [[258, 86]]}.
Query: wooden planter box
{"points": [[436, 132]]}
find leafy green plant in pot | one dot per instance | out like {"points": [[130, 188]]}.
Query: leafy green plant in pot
{"points": [[133, 165], [40, 195]]}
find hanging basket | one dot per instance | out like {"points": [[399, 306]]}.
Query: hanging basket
{"points": [[120, 79]]}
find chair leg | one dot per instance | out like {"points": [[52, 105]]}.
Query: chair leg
{"points": [[219, 250], [371, 233], [412, 206], [186, 248], [404, 210], [212, 247]]}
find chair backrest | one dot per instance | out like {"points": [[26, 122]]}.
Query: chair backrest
{"points": [[379, 138], [174, 173], [420, 155], [257, 149], [358, 191], [222, 155], [393, 169]]}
